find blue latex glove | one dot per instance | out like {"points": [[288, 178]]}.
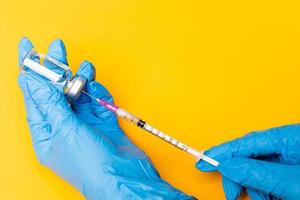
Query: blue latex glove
{"points": [[83, 143], [266, 163]]}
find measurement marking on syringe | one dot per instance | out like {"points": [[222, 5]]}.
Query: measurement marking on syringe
{"points": [[163, 136]]}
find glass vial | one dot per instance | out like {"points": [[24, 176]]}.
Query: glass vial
{"points": [[54, 71]]}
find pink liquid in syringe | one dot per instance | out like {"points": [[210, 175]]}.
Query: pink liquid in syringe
{"points": [[107, 105], [104, 103]]}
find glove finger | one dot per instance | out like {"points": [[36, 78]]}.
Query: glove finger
{"points": [[52, 103], [270, 178], [39, 127], [256, 144], [24, 47], [219, 153], [81, 105], [87, 70], [257, 195], [99, 91], [231, 189], [57, 50]]}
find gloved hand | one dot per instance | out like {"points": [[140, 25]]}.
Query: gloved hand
{"points": [[83, 142], [266, 163]]}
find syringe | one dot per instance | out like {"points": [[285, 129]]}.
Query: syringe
{"points": [[142, 124]]}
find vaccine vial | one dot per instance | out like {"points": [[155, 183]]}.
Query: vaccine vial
{"points": [[55, 72]]}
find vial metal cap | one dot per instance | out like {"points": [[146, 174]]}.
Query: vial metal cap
{"points": [[74, 87]]}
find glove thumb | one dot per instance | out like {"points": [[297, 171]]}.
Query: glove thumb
{"points": [[268, 177]]}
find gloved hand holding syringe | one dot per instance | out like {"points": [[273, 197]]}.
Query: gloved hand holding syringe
{"points": [[60, 75]]}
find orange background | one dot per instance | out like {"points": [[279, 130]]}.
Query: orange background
{"points": [[203, 72]]}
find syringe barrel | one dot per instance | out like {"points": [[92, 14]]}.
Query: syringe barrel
{"points": [[127, 116], [168, 139]]}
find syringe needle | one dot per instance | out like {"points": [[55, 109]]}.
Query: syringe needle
{"points": [[89, 95], [142, 124]]}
